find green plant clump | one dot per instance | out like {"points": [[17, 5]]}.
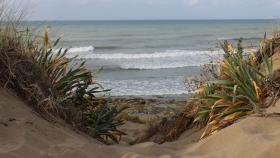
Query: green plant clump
{"points": [[73, 84], [239, 86], [54, 85]]}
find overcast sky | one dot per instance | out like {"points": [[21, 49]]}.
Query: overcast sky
{"points": [[152, 9]]}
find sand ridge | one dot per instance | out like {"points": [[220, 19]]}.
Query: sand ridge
{"points": [[23, 134]]}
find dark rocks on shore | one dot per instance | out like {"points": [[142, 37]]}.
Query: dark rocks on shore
{"points": [[149, 108]]}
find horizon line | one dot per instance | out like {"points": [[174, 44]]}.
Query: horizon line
{"points": [[210, 19]]}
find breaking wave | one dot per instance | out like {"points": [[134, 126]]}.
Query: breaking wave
{"points": [[169, 59], [88, 53]]}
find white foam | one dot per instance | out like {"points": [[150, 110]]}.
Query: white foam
{"points": [[157, 86], [154, 66], [166, 54], [81, 49], [193, 59], [88, 53], [145, 61]]}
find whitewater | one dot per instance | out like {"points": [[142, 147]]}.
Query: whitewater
{"points": [[168, 59]]}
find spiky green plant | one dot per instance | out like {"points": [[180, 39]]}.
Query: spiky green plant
{"points": [[101, 123], [47, 79], [238, 88], [64, 79], [72, 83]]}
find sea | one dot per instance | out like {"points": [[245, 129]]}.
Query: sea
{"points": [[151, 57]]}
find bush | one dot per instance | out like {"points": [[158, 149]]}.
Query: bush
{"points": [[101, 122], [53, 84], [72, 85], [239, 86]]}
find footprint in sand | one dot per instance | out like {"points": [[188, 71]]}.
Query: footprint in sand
{"points": [[11, 138]]}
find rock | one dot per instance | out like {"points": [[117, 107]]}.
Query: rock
{"points": [[142, 102]]}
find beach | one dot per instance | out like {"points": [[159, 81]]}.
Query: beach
{"points": [[25, 134], [139, 79], [122, 89]]}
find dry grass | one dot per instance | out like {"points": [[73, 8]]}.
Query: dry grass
{"points": [[52, 84], [169, 129], [19, 71]]}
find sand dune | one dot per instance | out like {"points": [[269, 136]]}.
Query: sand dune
{"points": [[23, 134]]}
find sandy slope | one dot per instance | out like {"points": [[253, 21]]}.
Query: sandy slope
{"points": [[25, 135]]}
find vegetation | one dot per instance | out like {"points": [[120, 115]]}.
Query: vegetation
{"points": [[239, 85], [54, 85], [73, 84]]}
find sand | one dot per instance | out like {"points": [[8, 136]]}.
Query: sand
{"points": [[23, 134]]}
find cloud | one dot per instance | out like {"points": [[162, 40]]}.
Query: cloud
{"points": [[193, 2], [152, 9]]}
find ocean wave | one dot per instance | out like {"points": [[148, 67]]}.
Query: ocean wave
{"points": [[235, 39], [106, 47], [165, 63], [169, 59], [158, 66], [166, 54], [155, 86], [81, 49]]}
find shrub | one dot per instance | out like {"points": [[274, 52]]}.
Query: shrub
{"points": [[72, 85], [239, 86], [101, 122], [51, 83]]}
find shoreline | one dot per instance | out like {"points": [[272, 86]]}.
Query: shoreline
{"points": [[177, 97], [149, 109]]}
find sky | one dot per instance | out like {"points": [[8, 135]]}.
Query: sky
{"points": [[151, 9]]}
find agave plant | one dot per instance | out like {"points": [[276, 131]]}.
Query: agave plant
{"points": [[71, 82], [238, 88]]}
